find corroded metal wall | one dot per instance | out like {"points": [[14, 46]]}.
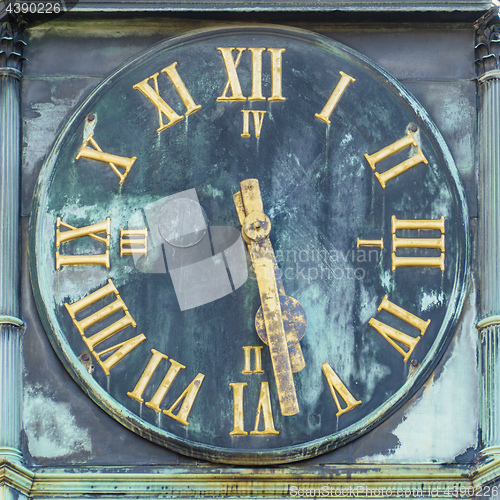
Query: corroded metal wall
{"points": [[64, 430], [11, 327], [52, 90], [11, 49], [487, 49]]}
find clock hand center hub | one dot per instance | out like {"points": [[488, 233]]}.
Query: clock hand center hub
{"points": [[257, 226]]}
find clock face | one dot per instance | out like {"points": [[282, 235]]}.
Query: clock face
{"points": [[249, 245]]}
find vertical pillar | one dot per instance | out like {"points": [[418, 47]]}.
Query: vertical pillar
{"points": [[11, 327], [488, 72]]}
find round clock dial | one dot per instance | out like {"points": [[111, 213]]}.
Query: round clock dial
{"points": [[249, 245]]}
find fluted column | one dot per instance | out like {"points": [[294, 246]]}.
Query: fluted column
{"points": [[11, 327], [488, 72]]}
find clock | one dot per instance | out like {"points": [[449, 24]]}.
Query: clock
{"points": [[249, 245]]}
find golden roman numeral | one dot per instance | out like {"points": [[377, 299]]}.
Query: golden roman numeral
{"points": [[370, 243], [396, 338], [153, 94], [133, 241], [114, 161], [430, 243], [276, 74], [257, 351], [186, 399], [334, 98], [238, 413], [74, 233], [256, 73], [385, 177], [232, 76], [263, 408], [233, 81], [258, 118], [118, 351], [337, 386]]}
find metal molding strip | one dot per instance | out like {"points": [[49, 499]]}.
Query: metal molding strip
{"points": [[342, 481], [284, 5]]}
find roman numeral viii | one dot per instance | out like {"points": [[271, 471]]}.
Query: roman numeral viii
{"points": [[95, 319]]}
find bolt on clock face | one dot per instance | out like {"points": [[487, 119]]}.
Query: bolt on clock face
{"points": [[256, 239]]}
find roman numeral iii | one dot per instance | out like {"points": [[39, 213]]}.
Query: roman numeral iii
{"points": [[417, 243], [117, 306]]}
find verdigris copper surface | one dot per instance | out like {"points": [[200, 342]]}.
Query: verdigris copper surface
{"points": [[11, 326], [369, 234]]}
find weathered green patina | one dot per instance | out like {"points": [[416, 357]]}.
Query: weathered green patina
{"points": [[320, 194]]}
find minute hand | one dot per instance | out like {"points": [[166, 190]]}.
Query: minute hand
{"points": [[256, 227]]}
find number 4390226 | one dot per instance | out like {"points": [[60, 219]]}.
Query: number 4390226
{"points": [[34, 8]]}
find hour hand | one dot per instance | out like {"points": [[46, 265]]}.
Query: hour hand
{"points": [[293, 314], [256, 228]]}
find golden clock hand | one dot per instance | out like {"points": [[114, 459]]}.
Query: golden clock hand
{"points": [[295, 324], [294, 321], [256, 228], [294, 315]]}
